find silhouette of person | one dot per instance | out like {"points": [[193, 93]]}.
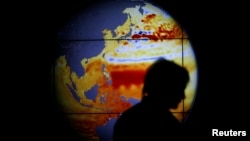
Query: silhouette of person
{"points": [[164, 86]]}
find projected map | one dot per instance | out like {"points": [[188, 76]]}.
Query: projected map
{"points": [[102, 58]]}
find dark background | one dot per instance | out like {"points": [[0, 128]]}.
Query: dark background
{"points": [[218, 32]]}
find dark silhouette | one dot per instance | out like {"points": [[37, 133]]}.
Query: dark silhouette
{"points": [[164, 86]]}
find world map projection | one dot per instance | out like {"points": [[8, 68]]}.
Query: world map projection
{"points": [[102, 58]]}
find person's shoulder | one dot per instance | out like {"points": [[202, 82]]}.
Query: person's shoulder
{"points": [[130, 114], [126, 124], [133, 110]]}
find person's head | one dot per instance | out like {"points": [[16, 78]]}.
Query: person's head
{"points": [[165, 82]]}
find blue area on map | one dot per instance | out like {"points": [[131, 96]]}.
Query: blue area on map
{"points": [[73, 85], [111, 59], [61, 49], [103, 67], [133, 101], [92, 93], [79, 50], [134, 60], [72, 91], [109, 82], [86, 25], [137, 47], [106, 131], [141, 10], [123, 98]]}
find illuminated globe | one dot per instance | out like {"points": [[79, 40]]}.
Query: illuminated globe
{"points": [[103, 54]]}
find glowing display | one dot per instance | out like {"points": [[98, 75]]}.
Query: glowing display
{"points": [[110, 81]]}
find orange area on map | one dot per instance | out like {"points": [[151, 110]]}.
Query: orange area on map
{"points": [[161, 32]]}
